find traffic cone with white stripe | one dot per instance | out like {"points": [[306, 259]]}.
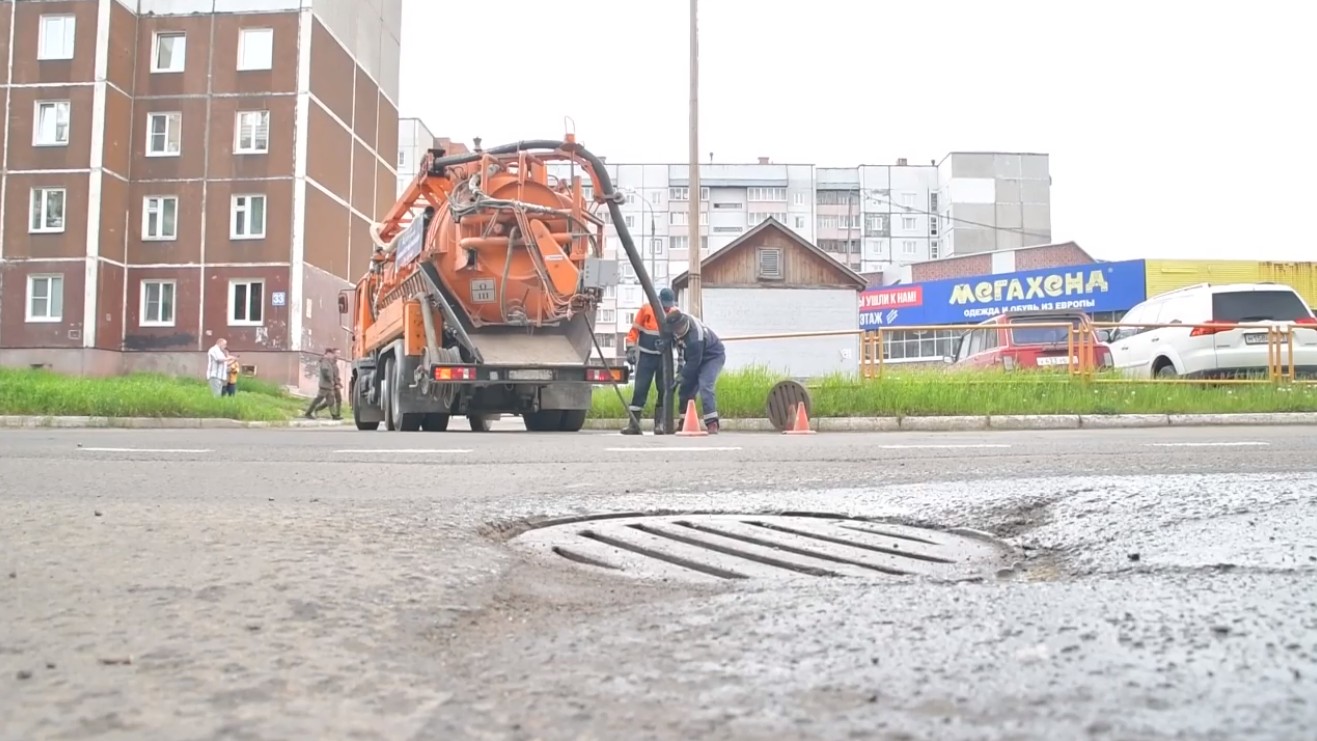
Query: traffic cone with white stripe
{"points": [[690, 425], [801, 424]]}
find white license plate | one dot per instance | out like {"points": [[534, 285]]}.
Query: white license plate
{"points": [[530, 374], [1062, 360], [1256, 338]]}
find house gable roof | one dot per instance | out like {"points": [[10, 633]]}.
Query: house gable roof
{"points": [[844, 274]]}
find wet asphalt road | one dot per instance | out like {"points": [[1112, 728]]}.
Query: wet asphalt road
{"points": [[271, 584]]}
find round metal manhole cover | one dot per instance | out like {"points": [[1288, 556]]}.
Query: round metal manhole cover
{"points": [[730, 546]]}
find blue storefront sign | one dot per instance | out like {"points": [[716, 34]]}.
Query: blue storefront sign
{"points": [[1106, 286]]}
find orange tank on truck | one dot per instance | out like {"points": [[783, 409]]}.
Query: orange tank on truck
{"points": [[481, 294]]}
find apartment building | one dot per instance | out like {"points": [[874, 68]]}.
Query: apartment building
{"points": [[871, 218], [175, 171]]}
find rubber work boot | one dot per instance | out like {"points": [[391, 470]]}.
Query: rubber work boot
{"points": [[632, 427], [712, 426]]}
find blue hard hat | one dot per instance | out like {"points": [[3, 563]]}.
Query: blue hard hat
{"points": [[667, 298]]}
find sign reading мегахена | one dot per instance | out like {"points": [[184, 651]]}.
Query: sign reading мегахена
{"points": [[1108, 286]]}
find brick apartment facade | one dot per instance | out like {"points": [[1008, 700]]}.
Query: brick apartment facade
{"points": [[172, 175]]}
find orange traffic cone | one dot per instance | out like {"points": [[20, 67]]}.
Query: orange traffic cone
{"points": [[690, 425], [801, 424]]}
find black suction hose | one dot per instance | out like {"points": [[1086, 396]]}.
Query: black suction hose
{"points": [[603, 189]]}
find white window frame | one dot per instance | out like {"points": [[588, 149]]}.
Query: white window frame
{"points": [[143, 314], [180, 58], [908, 222], [44, 194], [56, 106], [242, 130], [776, 273], [67, 25], [51, 280], [237, 204], [909, 247], [157, 205], [265, 52], [630, 221], [172, 119], [608, 316], [249, 282]]}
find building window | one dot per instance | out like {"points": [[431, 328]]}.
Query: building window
{"points": [[402, 159], [873, 224], [164, 135], [607, 316], [170, 52], [52, 124], [727, 230], [630, 221], [908, 199], [47, 211], [255, 49], [159, 218], [604, 340], [800, 222], [684, 243], [246, 302], [253, 132], [247, 220], [798, 198], [45, 298], [684, 194], [157, 303], [933, 251], [757, 216], [770, 264], [766, 195], [656, 246], [630, 318], [55, 37], [908, 222], [910, 247]]}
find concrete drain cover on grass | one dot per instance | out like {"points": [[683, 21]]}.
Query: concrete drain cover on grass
{"points": [[730, 546]]}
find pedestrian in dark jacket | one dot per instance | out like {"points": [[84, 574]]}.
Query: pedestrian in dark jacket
{"points": [[701, 360], [331, 386]]}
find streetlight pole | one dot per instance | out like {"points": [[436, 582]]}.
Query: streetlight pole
{"points": [[694, 304]]}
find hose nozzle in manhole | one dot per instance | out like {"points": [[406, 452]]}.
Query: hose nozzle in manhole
{"points": [[728, 546]]}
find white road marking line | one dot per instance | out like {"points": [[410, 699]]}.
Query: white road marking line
{"points": [[1209, 445], [942, 447], [147, 450], [403, 450], [664, 449]]}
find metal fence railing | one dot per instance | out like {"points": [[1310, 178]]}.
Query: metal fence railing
{"points": [[1083, 349]]}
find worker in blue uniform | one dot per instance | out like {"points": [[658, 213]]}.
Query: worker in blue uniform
{"points": [[643, 351], [701, 359]]}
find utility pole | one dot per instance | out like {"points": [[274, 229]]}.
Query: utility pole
{"points": [[694, 304]]}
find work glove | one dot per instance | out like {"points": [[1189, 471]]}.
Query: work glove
{"points": [[632, 355]]}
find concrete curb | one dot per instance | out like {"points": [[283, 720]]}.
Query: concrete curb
{"points": [[821, 424], [1003, 422], [152, 423]]}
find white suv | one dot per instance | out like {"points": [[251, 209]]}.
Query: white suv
{"points": [[1218, 351]]}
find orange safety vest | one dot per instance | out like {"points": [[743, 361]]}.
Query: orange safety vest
{"points": [[646, 324]]}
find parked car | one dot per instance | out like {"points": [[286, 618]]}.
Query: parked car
{"points": [[1021, 340], [1221, 350]]}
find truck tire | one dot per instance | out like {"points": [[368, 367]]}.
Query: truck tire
{"points": [[434, 422], [545, 420], [405, 421], [573, 420], [361, 425], [479, 422], [387, 401]]}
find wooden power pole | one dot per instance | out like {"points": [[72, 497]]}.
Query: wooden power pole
{"points": [[695, 240]]}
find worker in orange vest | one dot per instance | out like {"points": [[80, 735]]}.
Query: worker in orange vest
{"points": [[643, 352]]}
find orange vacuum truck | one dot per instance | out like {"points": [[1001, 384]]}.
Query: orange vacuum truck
{"points": [[481, 294]]}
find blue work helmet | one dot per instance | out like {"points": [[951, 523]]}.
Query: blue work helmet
{"points": [[666, 298]]}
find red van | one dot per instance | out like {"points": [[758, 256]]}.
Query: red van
{"points": [[1016, 341]]}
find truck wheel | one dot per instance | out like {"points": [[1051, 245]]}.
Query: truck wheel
{"points": [[434, 422], [547, 420], [405, 421], [364, 426], [479, 422], [572, 420], [387, 402]]}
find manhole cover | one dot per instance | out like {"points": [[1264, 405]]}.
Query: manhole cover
{"points": [[730, 546]]}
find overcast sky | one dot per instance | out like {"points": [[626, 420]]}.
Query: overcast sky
{"points": [[1175, 129]]}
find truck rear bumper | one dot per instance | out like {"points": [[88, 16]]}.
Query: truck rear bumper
{"points": [[530, 374]]}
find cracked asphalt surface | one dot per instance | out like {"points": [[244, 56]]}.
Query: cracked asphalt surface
{"points": [[276, 584]]}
